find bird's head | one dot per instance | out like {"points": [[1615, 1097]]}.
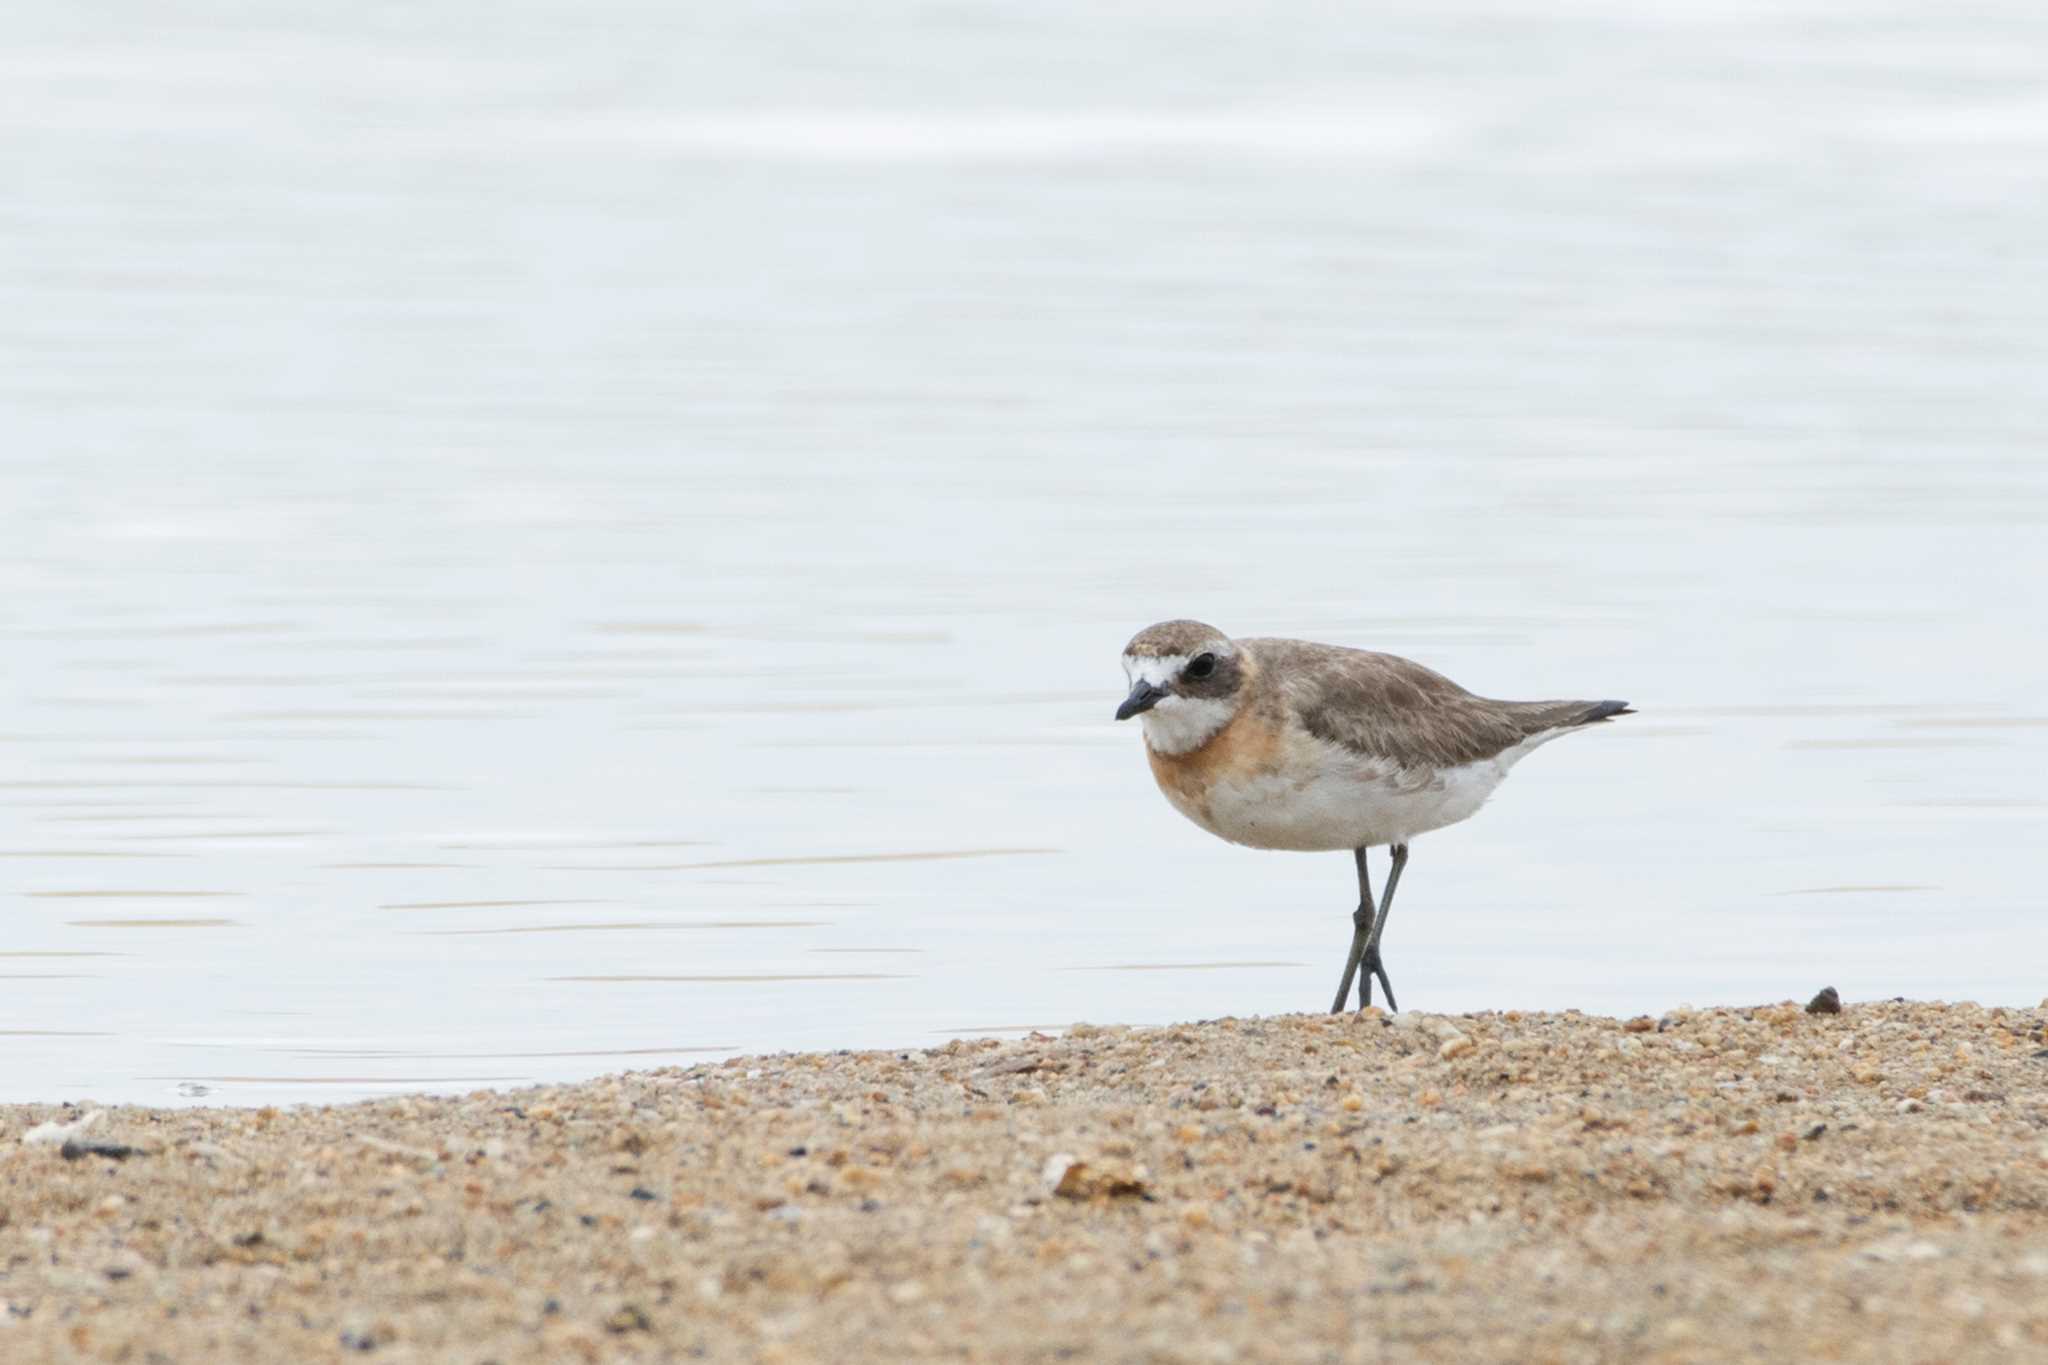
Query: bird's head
{"points": [[1186, 679]]}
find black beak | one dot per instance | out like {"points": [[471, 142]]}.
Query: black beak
{"points": [[1144, 696]]}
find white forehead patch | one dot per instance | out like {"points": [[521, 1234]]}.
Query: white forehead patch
{"points": [[1161, 669], [1157, 669]]}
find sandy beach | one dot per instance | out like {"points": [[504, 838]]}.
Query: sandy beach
{"points": [[1715, 1184]]}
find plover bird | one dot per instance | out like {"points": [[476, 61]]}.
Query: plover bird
{"points": [[1292, 745]]}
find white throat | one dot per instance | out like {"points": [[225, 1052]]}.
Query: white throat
{"points": [[1180, 724], [1176, 724]]}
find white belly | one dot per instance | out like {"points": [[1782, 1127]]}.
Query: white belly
{"points": [[1345, 801]]}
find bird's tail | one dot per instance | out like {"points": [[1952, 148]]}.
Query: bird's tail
{"points": [[1598, 711]]}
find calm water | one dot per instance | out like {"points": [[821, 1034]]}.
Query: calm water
{"points": [[541, 539]]}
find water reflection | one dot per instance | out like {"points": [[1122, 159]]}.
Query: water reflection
{"points": [[190, 923], [742, 977], [645, 924]]}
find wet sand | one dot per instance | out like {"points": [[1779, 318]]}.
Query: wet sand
{"points": [[1719, 1184]]}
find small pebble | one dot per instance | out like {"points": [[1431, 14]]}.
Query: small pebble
{"points": [[628, 1318]]}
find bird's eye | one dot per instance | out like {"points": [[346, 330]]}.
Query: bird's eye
{"points": [[1202, 666]]}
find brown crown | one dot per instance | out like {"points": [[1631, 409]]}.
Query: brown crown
{"points": [[1176, 637]]}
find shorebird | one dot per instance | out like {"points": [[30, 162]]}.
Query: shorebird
{"points": [[1292, 745]]}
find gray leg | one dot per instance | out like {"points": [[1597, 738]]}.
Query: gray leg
{"points": [[1371, 961], [1366, 928], [1361, 931]]}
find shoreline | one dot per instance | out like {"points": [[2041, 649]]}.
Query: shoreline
{"points": [[1732, 1181]]}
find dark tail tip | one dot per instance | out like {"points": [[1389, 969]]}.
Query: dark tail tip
{"points": [[1604, 710]]}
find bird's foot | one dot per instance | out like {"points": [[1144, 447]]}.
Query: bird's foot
{"points": [[1369, 967], [1365, 964]]}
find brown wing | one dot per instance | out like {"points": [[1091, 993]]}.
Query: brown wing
{"points": [[1388, 707]]}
